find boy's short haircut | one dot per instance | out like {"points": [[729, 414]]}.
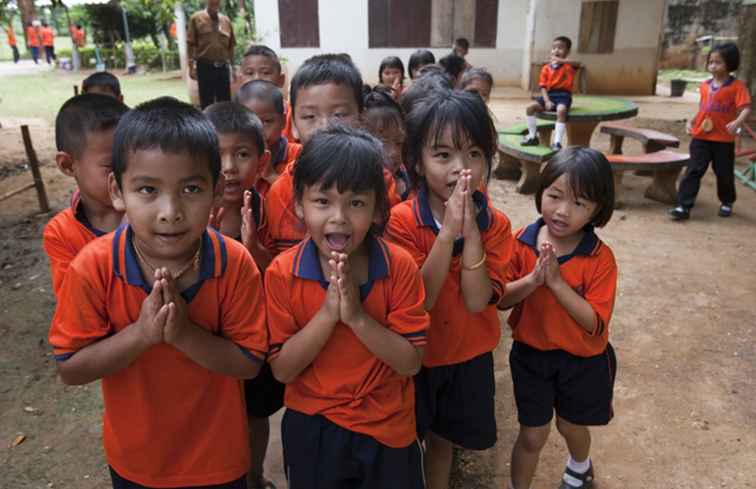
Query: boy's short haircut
{"points": [[453, 65], [391, 62], [83, 114], [327, 68], [730, 55], [462, 42], [232, 117], [475, 73], [379, 101], [566, 40], [263, 90], [464, 113], [351, 159], [169, 125], [103, 79], [262, 50], [589, 175], [421, 57]]}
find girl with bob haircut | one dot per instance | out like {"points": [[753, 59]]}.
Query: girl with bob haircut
{"points": [[391, 75], [562, 283], [418, 59]]}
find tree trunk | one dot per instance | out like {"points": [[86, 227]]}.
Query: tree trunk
{"points": [[747, 44], [28, 14]]}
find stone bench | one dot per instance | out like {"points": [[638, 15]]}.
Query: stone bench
{"points": [[664, 166]]}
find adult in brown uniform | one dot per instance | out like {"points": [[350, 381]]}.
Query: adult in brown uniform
{"points": [[210, 42]]}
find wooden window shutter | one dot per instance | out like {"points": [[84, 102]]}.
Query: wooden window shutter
{"points": [[398, 23], [598, 26], [300, 24], [486, 19]]}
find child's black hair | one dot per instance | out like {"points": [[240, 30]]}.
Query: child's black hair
{"points": [[349, 158], [381, 111], [102, 79], [391, 62], [83, 114], [232, 117], [730, 55], [566, 40], [589, 175], [464, 113], [261, 90], [262, 50], [463, 43], [429, 81], [475, 73], [419, 58], [453, 65], [327, 68], [380, 98], [169, 125]]}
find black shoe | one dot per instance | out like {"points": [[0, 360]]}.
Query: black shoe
{"points": [[586, 479], [528, 141], [679, 213], [725, 210], [556, 147]]}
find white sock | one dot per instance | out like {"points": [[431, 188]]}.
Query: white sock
{"points": [[559, 131], [579, 467], [532, 126]]}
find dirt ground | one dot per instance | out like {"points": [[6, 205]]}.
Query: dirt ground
{"points": [[685, 397]]}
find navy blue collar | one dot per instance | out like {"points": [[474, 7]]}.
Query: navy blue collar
{"points": [[425, 215], [307, 264], [586, 247], [81, 216], [727, 82], [213, 260], [403, 175], [278, 152]]}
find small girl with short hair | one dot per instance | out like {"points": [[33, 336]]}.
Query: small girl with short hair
{"points": [[391, 75], [725, 105], [384, 119], [417, 60], [562, 285], [477, 80], [463, 245]]}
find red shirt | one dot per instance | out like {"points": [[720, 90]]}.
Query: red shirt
{"points": [[32, 37], [539, 320], [456, 334], [48, 36], [63, 238], [557, 77], [347, 383], [721, 106], [11, 36], [168, 421]]}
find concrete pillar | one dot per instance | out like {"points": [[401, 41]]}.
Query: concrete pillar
{"points": [[442, 21]]}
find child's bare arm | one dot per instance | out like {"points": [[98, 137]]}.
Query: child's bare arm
{"points": [[116, 352], [518, 290], [475, 283], [733, 126]]}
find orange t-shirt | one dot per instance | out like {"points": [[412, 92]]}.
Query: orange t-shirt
{"points": [[346, 382], [32, 37], [456, 334], [539, 320], [168, 421], [11, 36], [48, 36], [721, 106], [282, 156], [557, 77], [63, 238]]}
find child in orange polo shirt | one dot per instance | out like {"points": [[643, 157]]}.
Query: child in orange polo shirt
{"points": [[242, 217], [463, 245], [556, 81], [725, 106], [12, 42], [347, 326], [32, 41], [48, 42], [266, 101], [168, 313], [84, 131], [563, 282], [327, 88]]}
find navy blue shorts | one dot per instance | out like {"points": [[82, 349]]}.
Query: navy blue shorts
{"points": [[456, 402], [559, 97], [319, 454], [580, 389], [121, 483], [264, 394]]}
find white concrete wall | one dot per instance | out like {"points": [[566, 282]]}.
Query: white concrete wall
{"points": [[344, 28]]}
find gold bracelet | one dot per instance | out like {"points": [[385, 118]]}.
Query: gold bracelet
{"points": [[477, 265]]}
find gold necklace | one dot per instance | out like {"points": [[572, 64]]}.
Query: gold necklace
{"points": [[192, 263]]}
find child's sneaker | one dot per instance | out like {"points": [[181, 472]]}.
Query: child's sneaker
{"points": [[679, 213], [575, 480], [556, 147], [725, 210], [528, 141]]}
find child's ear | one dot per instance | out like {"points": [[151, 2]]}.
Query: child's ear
{"points": [[116, 195], [298, 210], [120, 98], [281, 81], [65, 163]]}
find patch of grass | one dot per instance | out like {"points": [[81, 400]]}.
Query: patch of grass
{"points": [[41, 95], [666, 75]]}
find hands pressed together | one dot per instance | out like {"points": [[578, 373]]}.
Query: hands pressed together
{"points": [[546, 269], [343, 296], [163, 317], [459, 218]]}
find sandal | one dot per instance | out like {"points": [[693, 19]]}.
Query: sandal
{"points": [[570, 478]]}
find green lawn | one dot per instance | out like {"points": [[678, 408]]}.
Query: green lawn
{"points": [[42, 95]]}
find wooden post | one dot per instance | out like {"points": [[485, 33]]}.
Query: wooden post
{"points": [[76, 90], [44, 206]]}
